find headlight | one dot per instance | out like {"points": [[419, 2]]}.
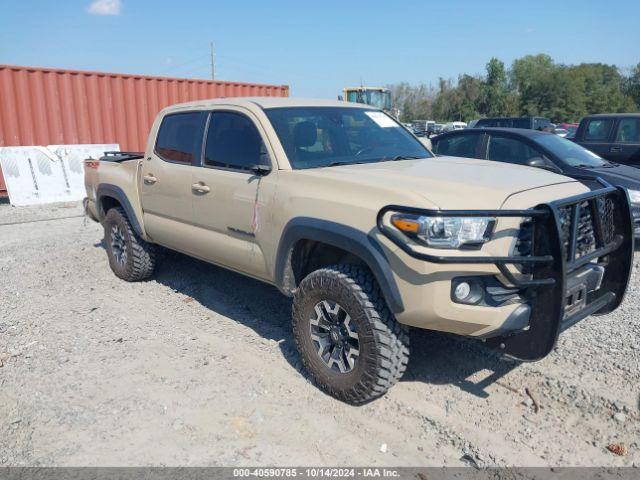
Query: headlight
{"points": [[444, 232], [634, 195]]}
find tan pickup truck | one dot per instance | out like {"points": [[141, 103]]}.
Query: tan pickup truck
{"points": [[343, 209]]}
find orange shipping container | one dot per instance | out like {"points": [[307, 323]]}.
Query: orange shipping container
{"points": [[50, 106]]}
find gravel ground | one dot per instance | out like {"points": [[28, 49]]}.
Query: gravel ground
{"points": [[198, 367]]}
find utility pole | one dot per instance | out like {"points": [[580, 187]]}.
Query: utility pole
{"points": [[213, 62]]}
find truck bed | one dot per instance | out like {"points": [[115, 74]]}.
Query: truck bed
{"points": [[117, 170]]}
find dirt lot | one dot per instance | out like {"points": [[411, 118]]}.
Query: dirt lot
{"points": [[197, 367]]}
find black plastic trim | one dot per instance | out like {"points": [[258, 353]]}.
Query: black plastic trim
{"points": [[115, 192], [341, 236], [117, 157]]}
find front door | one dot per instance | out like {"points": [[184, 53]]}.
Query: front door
{"points": [[626, 147], [596, 136], [166, 187], [227, 209]]}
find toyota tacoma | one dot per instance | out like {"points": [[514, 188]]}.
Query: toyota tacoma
{"points": [[343, 209]]}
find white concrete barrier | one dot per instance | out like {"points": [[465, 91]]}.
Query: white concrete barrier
{"points": [[54, 173]]}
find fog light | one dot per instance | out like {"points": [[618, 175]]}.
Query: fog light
{"points": [[469, 291], [462, 291]]}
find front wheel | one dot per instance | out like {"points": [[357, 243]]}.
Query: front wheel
{"points": [[349, 341]]}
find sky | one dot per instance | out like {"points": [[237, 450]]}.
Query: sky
{"points": [[317, 48]]}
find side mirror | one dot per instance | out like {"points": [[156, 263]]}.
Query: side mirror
{"points": [[261, 170], [541, 162]]}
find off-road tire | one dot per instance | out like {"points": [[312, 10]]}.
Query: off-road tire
{"points": [[141, 256], [383, 342]]}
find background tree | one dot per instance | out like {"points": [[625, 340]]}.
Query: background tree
{"points": [[534, 85], [497, 98], [632, 85]]}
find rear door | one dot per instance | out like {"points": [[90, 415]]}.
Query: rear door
{"points": [[626, 145], [167, 178], [596, 136], [227, 208]]}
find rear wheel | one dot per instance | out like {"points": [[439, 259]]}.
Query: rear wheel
{"points": [[348, 339], [130, 257]]}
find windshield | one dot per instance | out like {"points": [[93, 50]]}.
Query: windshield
{"points": [[569, 152], [322, 136]]}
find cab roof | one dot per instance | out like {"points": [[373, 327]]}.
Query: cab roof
{"points": [[265, 102], [613, 115]]}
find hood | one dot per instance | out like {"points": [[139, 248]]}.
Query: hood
{"points": [[447, 182], [620, 175]]}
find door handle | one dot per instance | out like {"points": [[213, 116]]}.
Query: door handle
{"points": [[200, 188], [149, 179], [615, 149]]}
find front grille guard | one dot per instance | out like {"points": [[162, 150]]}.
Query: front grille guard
{"points": [[552, 261]]}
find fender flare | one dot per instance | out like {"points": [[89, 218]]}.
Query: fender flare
{"points": [[115, 192], [341, 236]]}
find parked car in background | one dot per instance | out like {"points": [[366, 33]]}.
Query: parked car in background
{"points": [[561, 132], [533, 123], [422, 127], [542, 150], [613, 136], [451, 126], [431, 128], [437, 128], [572, 129]]}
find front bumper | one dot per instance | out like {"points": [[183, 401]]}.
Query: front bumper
{"points": [[549, 278]]}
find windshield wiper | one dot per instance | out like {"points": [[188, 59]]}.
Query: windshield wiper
{"points": [[584, 165], [396, 158], [336, 164]]}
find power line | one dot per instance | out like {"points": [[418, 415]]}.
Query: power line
{"points": [[213, 62], [184, 64]]}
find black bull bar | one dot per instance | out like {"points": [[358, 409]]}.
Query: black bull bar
{"points": [[593, 228]]}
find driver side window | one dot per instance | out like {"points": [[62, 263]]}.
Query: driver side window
{"points": [[510, 150], [233, 142]]}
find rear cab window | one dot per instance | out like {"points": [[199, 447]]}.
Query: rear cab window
{"points": [[628, 130], [179, 138], [597, 129]]}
